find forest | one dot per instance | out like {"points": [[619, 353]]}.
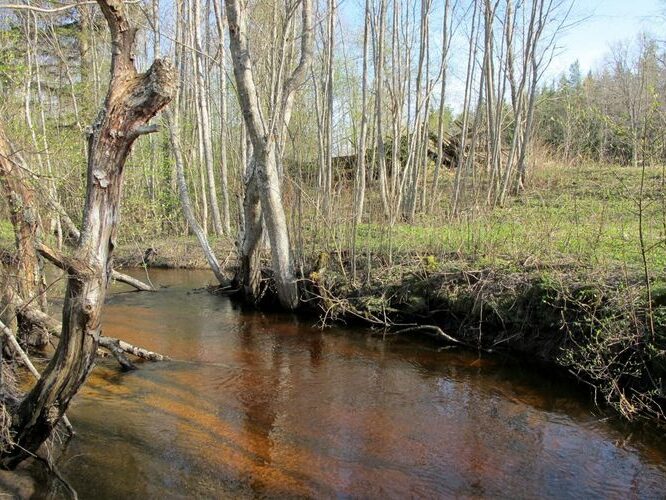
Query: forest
{"points": [[415, 173]]}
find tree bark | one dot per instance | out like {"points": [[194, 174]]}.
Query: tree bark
{"points": [[250, 238], [359, 185], [16, 347], [186, 204], [203, 117], [132, 100]]}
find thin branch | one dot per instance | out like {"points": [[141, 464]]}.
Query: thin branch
{"points": [[54, 10]]}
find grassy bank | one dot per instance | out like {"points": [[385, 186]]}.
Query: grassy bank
{"points": [[587, 214], [556, 274], [582, 215]]}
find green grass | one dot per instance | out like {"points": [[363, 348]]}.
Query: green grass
{"points": [[586, 215]]}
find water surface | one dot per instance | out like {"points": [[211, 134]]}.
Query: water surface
{"points": [[265, 405]]}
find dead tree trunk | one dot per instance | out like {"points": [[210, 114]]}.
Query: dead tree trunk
{"points": [[132, 100]]}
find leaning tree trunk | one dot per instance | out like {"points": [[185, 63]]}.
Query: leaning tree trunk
{"points": [[131, 101]]}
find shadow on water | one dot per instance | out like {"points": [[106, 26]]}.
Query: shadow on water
{"points": [[262, 405]]}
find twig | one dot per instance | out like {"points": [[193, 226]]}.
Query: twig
{"points": [[429, 329], [53, 10]]}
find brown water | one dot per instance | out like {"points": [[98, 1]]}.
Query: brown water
{"points": [[262, 405]]}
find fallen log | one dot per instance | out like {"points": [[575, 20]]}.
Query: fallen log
{"points": [[118, 348], [128, 280], [58, 259], [114, 344]]}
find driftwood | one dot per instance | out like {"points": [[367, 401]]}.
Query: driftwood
{"points": [[112, 346], [118, 348], [128, 280]]}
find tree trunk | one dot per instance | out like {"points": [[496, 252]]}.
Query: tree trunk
{"points": [[267, 139], [185, 202], [249, 276], [24, 217], [359, 185], [203, 117], [220, 20], [132, 100]]}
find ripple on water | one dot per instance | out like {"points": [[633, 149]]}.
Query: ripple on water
{"points": [[263, 405]]}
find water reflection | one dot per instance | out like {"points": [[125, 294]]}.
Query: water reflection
{"points": [[260, 405]]}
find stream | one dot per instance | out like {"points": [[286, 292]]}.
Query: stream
{"points": [[269, 405]]}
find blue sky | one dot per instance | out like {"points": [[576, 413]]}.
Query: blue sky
{"points": [[604, 22]]}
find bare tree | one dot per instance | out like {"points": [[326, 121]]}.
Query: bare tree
{"points": [[203, 115], [359, 198], [263, 187]]}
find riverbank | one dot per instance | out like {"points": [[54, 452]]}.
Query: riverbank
{"points": [[558, 275], [595, 324], [264, 404]]}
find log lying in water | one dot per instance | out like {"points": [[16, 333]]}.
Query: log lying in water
{"points": [[118, 348]]}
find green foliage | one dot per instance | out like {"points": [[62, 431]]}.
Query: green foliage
{"points": [[6, 234], [611, 115], [12, 66], [586, 215]]}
